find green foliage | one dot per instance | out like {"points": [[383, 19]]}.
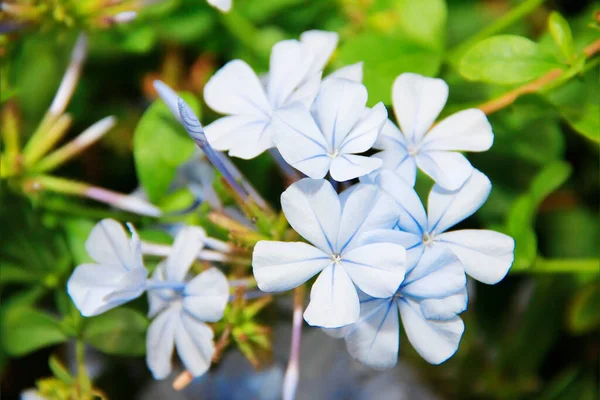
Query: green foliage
{"points": [[25, 330], [121, 331], [506, 59], [160, 145], [583, 312], [561, 33]]}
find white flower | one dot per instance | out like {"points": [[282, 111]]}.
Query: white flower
{"points": [[485, 255], [182, 307], [429, 300], [327, 137], [334, 226], [222, 5], [417, 103], [235, 90], [119, 275]]}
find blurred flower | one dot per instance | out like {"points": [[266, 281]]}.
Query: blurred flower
{"points": [[434, 149], [223, 5], [429, 300], [119, 275], [326, 137], [334, 226], [485, 255], [235, 90], [182, 307]]}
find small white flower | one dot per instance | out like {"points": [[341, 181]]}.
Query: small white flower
{"points": [[334, 226], [429, 300], [327, 137], [119, 275], [485, 255], [417, 102], [235, 90], [182, 307], [222, 5]]}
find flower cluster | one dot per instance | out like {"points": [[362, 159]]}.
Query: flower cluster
{"points": [[180, 305]]}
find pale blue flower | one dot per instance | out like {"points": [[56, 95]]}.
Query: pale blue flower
{"points": [[417, 101], [117, 277], [485, 255], [329, 136], [429, 300], [333, 225], [181, 306]]}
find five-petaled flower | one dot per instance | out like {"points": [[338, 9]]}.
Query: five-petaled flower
{"points": [[417, 101], [335, 226], [181, 306], [327, 137], [485, 255], [429, 300], [117, 277]]}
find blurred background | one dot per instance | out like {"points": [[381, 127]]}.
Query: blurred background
{"points": [[535, 335]]}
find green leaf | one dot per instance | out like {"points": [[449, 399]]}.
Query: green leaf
{"points": [[386, 57], [506, 59], [561, 33], [25, 330], [121, 331], [78, 231], [583, 312], [59, 370], [160, 145]]}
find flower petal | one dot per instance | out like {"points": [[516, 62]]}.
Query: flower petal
{"points": [[91, 285], [337, 108], [222, 5], [412, 216], [445, 308], [435, 341], [289, 66], [300, 141], [377, 269], [321, 45], [245, 136], [194, 342], [333, 300], [160, 342], [438, 274], [158, 299], [413, 244], [235, 89], [349, 166], [109, 244], [375, 339], [352, 72], [313, 209], [188, 243], [363, 135], [448, 169], [418, 101], [280, 266], [205, 296], [364, 208], [446, 208], [467, 130], [485, 255], [401, 163]]}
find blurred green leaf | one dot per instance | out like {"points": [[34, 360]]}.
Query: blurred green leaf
{"points": [[59, 370], [561, 33], [121, 331], [584, 315], [571, 233], [506, 59], [78, 231], [387, 57], [25, 330], [160, 145]]}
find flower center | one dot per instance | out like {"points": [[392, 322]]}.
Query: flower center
{"points": [[334, 154], [413, 150], [336, 258], [427, 240]]}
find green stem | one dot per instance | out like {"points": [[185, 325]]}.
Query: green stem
{"points": [[561, 266], [499, 25], [83, 379]]}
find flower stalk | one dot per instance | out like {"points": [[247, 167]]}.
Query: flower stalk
{"points": [[292, 373]]}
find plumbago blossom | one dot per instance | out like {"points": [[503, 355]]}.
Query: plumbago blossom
{"points": [[327, 137], [179, 303], [294, 76], [335, 227], [417, 101]]}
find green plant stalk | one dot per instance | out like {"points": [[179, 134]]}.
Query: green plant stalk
{"points": [[10, 133], [499, 25], [561, 266], [83, 379], [36, 150]]}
